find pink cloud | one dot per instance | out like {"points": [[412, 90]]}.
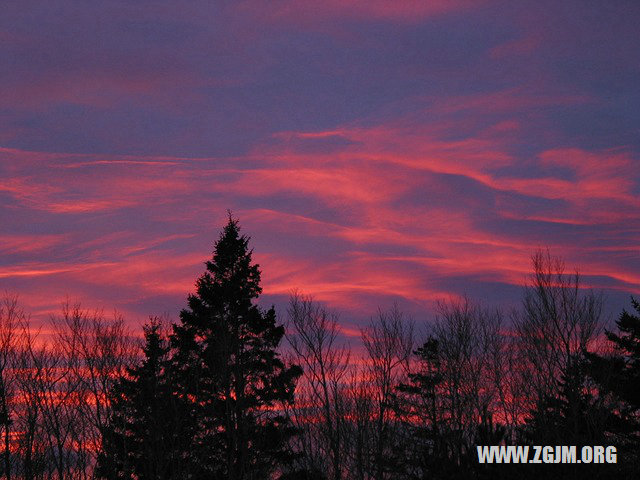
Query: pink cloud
{"points": [[30, 243], [390, 239]]}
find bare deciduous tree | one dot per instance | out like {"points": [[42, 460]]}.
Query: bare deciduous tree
{"points": [[388, 341], [95, 352], [558, 320], [361, 411], [53, 389], [11, 317], [312, 333], [469, 339]]}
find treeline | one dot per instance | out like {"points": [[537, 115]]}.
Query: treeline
{"points": [[229, 393], [55, 389]]}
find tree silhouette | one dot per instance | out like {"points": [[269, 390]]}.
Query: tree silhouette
{"points": [[229, 372], [618, 376], [574, 415], [418, 404], [141, 439], [624, 365]]}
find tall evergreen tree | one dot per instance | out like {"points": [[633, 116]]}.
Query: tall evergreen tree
{"points": [[574, 415], [426, 453], [577, 414], [618, 377], [620, 373], [142, 437], [229, 372]]}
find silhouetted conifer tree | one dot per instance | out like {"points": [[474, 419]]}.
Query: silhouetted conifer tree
{"points": [[229, 372], [577, 415], [425, 453], [620, 373], [572, 417], [618, 376], [145, 428]]}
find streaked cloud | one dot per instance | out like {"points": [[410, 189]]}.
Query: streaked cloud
{"points": [[375, 151]]}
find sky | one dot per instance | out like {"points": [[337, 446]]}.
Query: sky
{"points": [[374, 151]]}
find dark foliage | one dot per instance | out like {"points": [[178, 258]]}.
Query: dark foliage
{"points": [[429, 450], [620, 373], [618, 378], [146, 432], [573, 416], [229, 372]]}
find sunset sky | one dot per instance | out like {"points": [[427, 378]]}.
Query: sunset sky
{"points": [[375, 151]]}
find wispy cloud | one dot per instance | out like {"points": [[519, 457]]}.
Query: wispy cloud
{"points": [[375, 151]]}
